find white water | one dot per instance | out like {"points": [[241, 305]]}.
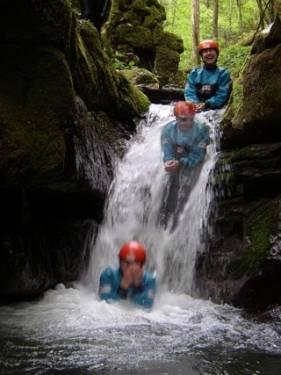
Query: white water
{"points": [[70, 329]]}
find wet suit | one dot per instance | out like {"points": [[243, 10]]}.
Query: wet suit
{"points": [[187, 147], [110, 290], [96, 11], [209, 85]]}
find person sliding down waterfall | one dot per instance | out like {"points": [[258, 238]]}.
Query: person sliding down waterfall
{"points": [[129, 281], [209, 87], [183, 143]]}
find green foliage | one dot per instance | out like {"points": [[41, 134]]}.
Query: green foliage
{"points": [[231, 27], [234, 58], [119, 62]]}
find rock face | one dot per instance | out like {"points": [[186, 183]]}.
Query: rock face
{"points": [[243, 264], [63, 114], [256, 117], [136, 27]]}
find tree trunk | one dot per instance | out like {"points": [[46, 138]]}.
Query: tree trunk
{"points": [[195, 31], [174, 14], [230, 10], [239, 7], [215, 18]]}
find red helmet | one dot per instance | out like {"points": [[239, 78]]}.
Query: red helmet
{"points": [[184, 109], [133, 251], [208, 43]]}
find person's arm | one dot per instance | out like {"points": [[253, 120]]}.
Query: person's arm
{"points": [[167, 144], [107, 287], [198, 149], [146, 297], [222, 93], [190, 94]]}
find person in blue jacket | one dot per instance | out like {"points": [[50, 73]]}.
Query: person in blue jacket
{"points": [[184, 143], [209, 87], [129, 281]]}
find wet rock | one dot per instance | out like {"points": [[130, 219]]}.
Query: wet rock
{"points": [[64, 115], [256, 118], [242, 265], [164, 95]]}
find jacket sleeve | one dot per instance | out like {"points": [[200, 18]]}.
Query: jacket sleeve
{"points": [[167, 144], [107, 287], [222, 93], [198, 150], [146, 297], [190, 89]]}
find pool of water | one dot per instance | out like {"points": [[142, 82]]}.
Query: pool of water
{"points": [[69, 331]]}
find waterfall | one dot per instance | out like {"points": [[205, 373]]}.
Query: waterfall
{"points": [[70, 331], [134, 204]]}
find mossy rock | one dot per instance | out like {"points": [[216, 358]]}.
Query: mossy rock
{"points": [[141, 7], [166, 63], [135, 36], [76, 4], [138, 27], [100, 86], [254, 115], [44, 22], [36, 109], [141, 76], [172, 42]]}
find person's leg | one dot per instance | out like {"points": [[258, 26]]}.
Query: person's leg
{"points": [[169, 199], [186, 182]]}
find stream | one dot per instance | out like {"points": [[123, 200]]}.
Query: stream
{"points": [[70, 332]]}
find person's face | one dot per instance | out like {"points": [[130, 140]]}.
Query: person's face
{"points": [[185, 122], [133, 268], [209, 56]]}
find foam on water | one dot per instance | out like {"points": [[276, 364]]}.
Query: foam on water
{"points": [[70, 327]]}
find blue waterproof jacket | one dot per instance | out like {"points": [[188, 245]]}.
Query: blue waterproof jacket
{"points": [[209, 85], [185, 146], [109, 289]]}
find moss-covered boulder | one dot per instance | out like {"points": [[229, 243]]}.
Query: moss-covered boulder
{"points": [[64, 114], [137, 27], [142, 77], [257, 116]]}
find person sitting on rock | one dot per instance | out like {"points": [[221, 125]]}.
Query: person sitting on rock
{"points": [[184, 141], [129, 281], [209, 87]]}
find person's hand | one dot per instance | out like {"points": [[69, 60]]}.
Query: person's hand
{"points": [[137, 276], [127, 278], [200, 107], [171, 165], [202, 145]]}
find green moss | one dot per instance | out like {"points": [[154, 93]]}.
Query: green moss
{"points": [[259, 224], [135, 36], [36, 108], [166, 63], [172, 41], [140, 76]]}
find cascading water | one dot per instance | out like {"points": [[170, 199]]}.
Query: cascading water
{"points": [[70, 332], [134, 206]]}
